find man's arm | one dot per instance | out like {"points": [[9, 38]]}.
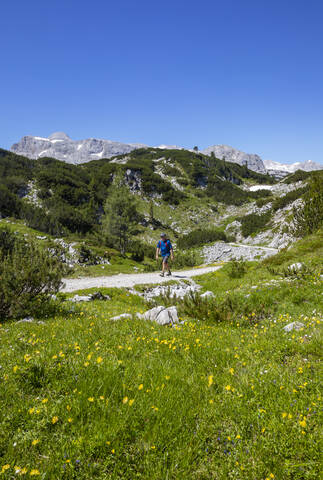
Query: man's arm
{"points": [[171, 253], [157, 253]]}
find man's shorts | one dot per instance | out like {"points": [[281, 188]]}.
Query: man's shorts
{"points": [[165, 258]]}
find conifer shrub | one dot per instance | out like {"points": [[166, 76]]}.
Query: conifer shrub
{"points": [[254, 223], [29, 275], [237, 268], [290, 197], [200, 237], [187, 259], [309, 218]]}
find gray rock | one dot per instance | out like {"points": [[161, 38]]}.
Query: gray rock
{"points": [[296, 266], [99, 296], [26, 320], [208, 294], [252, 161], [81, 298], [161, 315], [293, 326], [173, 291], [121, 317], [61, 146], [220, 251]]}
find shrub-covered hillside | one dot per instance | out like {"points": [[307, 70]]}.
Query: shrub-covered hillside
{"points": [[56, 197]]}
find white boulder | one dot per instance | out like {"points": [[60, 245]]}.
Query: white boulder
{"points": [[121, 317], [293, 326], [208, 294], [161, 315]]}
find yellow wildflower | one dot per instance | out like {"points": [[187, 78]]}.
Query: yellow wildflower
{"points": [[34, 472], [210, 380], [54, 420], [34, 442]]}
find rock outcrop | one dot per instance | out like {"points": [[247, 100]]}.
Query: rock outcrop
{"points": [[230, 154], [62, 147]]}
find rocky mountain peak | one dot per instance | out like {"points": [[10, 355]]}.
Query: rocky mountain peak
{"points": [[230, 154], [59, 136]]}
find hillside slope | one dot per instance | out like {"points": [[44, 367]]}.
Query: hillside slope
{"points": [[57, 197]]}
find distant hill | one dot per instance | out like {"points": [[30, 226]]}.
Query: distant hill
{"points": [[60, 146], [55, 196], [230, 154], [280, 169]]}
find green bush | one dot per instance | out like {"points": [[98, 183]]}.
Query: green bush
{"points": [[237, 268], [137, 250], [299, 175], [189, 258], [28, 275], [290, 197], [254, 223], [309, 218], [260, 202], [200, 237]]}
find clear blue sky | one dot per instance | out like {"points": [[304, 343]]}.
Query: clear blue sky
{"points": [[241, 72]]}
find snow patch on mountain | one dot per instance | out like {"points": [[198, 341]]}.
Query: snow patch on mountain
{"points": [[307, 166]]}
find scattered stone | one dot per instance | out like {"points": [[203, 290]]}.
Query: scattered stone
{"points": [[161, 315], [26, 320], [90, 297], [99, 296], [208, 294], [296, 266], [121, 317], [221, 251], [179, 290], [81, 298], [293, 326]]}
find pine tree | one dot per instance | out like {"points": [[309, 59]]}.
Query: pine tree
{"points": [[309, 218], [151, 212], [121, 216]]}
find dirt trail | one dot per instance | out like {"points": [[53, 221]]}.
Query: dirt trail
{"points": [[131, 279]]}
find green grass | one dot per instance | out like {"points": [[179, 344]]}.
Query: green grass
{"points": [[83, 397], [19, 226], [118, 265]]}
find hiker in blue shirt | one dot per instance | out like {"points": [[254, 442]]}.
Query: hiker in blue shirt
{"points": [[164, 247]]}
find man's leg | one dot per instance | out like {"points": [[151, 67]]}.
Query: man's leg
{"points": [[163, 267], [167, 265]]}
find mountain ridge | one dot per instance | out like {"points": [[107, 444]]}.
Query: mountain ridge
{"points": [[61, 147]]}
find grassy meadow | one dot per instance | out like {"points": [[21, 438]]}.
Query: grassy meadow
{"points": [[218, 397]]}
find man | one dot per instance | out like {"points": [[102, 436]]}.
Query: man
{"points": [[164, 247]]}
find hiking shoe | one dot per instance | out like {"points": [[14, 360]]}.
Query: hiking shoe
{"points": [[169, 273], [161, 275]]}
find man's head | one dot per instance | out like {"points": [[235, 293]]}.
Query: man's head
{"points": [[163, 236]]}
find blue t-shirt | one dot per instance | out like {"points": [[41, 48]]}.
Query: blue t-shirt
{"points": [[165, 247]]}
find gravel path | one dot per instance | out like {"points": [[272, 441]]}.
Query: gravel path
{"points": [[131, 279]]}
